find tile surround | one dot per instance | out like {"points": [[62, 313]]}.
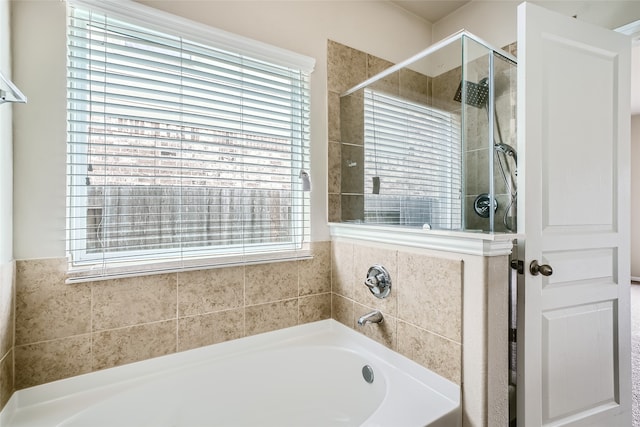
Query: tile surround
{"points": [[344, 78], [46, 308], [431, 295], [211, 306], [132, 301], [422, 315], [313, 308], [314, 272], [46, 361], [271, 316], [270, 282], [342, 269], [451, 309], [7, 303], [347, 67], [69, 329], [7, 330], [430, 349], [203, 291], [342, 309], [210, 328], [6, 378], [116, 347]]}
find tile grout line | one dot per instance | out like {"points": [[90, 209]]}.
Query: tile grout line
{"points": [[91, 306], [177, 347]]}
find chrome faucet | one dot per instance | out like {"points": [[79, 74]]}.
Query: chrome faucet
{"points": [[374, 317]]}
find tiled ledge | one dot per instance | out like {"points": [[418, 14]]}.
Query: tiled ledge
{"points": [[464, 242]]}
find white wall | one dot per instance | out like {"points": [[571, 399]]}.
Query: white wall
{"points": [[379, 28], [492, 21], [495, 21], [6, 168], [635, 197], [38, 42]]}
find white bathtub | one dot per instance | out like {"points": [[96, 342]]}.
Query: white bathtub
{"points": [[308, 375]]}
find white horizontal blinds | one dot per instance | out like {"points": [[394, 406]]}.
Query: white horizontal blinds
{"points": [[178, 149], [414, 152]]}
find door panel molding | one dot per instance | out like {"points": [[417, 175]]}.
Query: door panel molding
{"points": [[573, 195]]}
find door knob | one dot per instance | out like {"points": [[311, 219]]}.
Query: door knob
{"points": [[543, 269]]}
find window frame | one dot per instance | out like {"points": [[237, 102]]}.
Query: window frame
{"points": [[153, 260]]}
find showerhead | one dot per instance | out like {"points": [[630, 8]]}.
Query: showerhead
{"points": [[476, 94], [507, 150]]}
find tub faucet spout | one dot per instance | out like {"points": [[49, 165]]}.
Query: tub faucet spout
{"points": [[373, 317]]}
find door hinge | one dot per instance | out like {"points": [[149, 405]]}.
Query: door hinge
{"points": [[517, 265]]}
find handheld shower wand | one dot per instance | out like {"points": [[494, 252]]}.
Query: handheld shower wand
{"points": [[507, 150]]}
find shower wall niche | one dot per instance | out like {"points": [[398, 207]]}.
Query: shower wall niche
{"points": [[427, 143]]}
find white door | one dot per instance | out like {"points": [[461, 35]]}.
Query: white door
{"points": [[573, 139]]}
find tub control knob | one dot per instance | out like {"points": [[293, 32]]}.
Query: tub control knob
{"points": [[378, 281]]}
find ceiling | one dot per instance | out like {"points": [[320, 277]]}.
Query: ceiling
{"points": [[431, 10]]}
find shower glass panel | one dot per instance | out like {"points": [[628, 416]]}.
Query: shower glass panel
{"points": [[505, 155], [429, 143]]}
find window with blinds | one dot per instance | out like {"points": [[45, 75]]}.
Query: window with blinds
{"points": [[180, 151], [413, 172]]}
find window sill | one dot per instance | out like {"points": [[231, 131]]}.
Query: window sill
{"points": [[91, 273]]}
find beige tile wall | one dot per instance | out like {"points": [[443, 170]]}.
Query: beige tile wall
{"points": [[423, 313], [7, 316], [64, 330], [347, 67], [446, 311]]}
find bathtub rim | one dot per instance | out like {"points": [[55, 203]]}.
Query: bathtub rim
{"points": [[108, 381]]}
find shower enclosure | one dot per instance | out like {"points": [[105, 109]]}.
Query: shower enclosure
{"points": [[430, 142]]}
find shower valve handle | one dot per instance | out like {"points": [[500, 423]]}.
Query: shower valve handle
{"points": [[378, 281], [543, 269]]}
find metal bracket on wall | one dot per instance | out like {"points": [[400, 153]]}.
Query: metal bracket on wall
{"points": [[518, 265], [9, 92]]}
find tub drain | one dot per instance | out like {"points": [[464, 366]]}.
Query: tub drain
{"points": [[367, 373]]}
